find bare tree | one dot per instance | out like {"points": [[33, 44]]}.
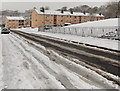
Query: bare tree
{"points": [[64, 8], [113, 10]]}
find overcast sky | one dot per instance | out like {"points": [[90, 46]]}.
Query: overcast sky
{"points": [[22, 5]]}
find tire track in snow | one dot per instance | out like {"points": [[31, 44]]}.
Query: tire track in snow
{"points": [[46, 79], [61, 73], [45, 65]]}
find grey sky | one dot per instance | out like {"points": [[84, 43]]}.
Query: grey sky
{"points": [[22, 5]]}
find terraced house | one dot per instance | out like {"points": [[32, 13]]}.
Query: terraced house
{"points": [[40, 18], [14, 22]]}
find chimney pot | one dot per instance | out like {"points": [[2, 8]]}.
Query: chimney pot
{"points": [[62, 11], [42, 9], [71, 11], [84, 12]]}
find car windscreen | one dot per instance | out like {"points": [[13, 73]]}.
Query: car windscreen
{"points": [[4, 29]]}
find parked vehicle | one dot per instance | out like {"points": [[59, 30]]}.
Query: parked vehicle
{"points": [[5, 30], [67, 24], [45, 27]]}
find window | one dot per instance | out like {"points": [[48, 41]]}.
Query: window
{"points": [[61, 20], [47, 20], [47, 15]]}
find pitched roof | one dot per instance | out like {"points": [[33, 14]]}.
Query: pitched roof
{"points": [[66, 13], [15, 18]]}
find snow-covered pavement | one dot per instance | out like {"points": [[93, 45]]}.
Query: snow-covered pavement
{"points": [[107, 43], [27, 67]]}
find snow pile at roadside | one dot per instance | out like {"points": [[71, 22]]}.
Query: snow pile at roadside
{"points": [[100, 23], [1, 66]]}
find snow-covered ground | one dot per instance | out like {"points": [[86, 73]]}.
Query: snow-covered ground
{"points": [[23, 66], [107, 43], [26, 67]]}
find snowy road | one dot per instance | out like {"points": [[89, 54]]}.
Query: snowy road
{"points": [[26, 67]]}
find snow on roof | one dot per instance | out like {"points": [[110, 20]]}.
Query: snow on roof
{"points": [[15, 18], [98, 15], [101, 23], [65, 13]]}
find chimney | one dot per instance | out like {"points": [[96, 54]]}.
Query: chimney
{"points": [[100, 14], [62, 11], [42, 9], [71, 11], [84, 12]]}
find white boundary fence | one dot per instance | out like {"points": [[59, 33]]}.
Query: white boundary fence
{"points": [[86, 31]]}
